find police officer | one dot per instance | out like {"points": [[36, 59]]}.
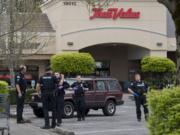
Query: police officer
{"points": [[21, 86], [58, 76], [60, 92], [47, 85], [138, 88], [79, 97]]}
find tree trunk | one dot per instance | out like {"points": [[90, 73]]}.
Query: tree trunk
{"points": [[178, 58], [11, 44]]}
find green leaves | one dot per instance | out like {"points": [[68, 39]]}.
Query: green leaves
{"points": [[3, 93], [73, 63], [158, 65], [4, 87], [165, 112], [159, 71]]}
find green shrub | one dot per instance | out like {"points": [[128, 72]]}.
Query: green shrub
{"points": [[159, 71], [3, 93], [12, 97], [4, 87], [73, 63], [165, 112], [158, 65]]}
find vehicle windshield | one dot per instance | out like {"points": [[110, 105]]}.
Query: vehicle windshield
{"points": [[70, 81], [88, 83]]}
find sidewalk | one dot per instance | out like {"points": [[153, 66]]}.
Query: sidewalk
{"points": [[27, 129]]}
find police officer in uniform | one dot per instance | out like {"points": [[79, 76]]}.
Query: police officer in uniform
{"points": [[60, 92], [21, 86], [58, 76], [47, 85], [79, 97], [138, 88]]}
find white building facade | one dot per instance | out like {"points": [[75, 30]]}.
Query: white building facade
{"points": [[118, 36]]}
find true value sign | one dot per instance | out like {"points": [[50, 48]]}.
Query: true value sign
{"points": [[114, 13]]}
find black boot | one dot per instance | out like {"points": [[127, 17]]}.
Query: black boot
{"points": [[79, 119], [45, 127]]}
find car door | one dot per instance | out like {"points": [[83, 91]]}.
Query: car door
{"points": [[114, 89], [101, 91], [89, 94]]}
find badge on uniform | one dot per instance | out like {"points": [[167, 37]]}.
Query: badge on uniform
{"points": [[18, 78]]}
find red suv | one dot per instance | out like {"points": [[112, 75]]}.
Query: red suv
{"points": [[102, 93]]}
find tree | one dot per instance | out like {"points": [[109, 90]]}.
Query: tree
{"points": [[16, 31], [98, 3], [174, 8], [73, 63]]}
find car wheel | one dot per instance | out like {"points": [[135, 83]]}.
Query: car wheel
{"points": [[68, 110], [87, 111], [38, 113], [110, 108]]}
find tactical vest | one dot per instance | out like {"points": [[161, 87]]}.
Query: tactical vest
{"points": [[79, 90], [48, 84], [140, 88]]}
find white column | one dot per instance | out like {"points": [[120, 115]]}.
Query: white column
{"points": [[158, 53]]}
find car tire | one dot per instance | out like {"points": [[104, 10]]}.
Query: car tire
{"points": [[110, 108], [68, 110], [38, 113], [87, 111]]}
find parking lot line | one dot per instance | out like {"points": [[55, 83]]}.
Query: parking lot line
{"points": [[109, 130]]}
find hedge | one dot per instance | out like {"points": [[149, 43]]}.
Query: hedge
{"points": [[165, 112], [160, 72], [3, 94], [73, 63], [12, 93], [12, 97], [157, 64], [4, 87]]}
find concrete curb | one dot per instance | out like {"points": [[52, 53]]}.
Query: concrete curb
{"points": [[62, 132]]}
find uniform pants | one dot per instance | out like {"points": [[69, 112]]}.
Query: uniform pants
{"points": [[80, 106], [49, 102], [141, 100], [20, 106], [59, 108]]}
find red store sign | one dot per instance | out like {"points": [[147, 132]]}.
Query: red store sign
{"points": [[114, 13]]}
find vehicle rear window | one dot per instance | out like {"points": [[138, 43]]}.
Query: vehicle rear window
{"points": [[100, 86], [113, 85]]}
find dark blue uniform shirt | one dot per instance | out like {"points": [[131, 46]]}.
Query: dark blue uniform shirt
{"points": [[61, 88], [48, 83], [79, 88], [21, 81], [138, 87]]}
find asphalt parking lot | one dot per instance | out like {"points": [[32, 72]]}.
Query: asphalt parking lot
{"points": [[123, 123]]}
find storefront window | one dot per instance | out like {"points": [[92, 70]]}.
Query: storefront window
{"points": [[102, 68]]}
